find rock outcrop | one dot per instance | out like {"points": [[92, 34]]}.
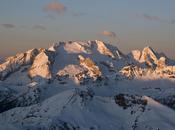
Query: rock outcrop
{"points": [[41, 67], [14, 63]]}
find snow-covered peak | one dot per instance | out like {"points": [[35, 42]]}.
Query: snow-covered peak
{"points": [[76, 47], [15, 62], [30, 55], [148, 55], [54, 47], [103, 49], [136, 54], [161, 62], [93, 69], [41, 67]]}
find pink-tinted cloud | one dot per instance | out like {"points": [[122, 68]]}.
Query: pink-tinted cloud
{"points": [[108, 34], [7, 25], [39, 27], [55, 7]]}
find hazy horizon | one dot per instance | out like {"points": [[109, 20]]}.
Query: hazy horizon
{"points": [[137, 23]]}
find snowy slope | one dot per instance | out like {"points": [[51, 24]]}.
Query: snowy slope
{"points": [[87, 86], [83, 110]]}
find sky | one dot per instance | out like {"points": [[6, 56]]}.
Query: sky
{"points": [[127, 24]]}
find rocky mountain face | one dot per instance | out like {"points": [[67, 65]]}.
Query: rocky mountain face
{"points": [[87, 85], [41, 66], [148, 62], [13, 63]]}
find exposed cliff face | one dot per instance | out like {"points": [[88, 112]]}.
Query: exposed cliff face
{"points": [[74, 72], [103, 49], [161, 63], [93, 70], [150, 65], [42, 65], [12, 64], [136, 54], [132, 71], [148, 55]]}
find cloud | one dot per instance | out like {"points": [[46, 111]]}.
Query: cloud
{"points": [[7, 25], [55, 7], [156, 18], [149, 17], [39, 27], [108, 34]]}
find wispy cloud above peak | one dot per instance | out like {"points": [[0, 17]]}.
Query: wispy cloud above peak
{"points": [[149, 17], [155, 18], [39, 27], [108, 34], [7, 25], [56, 7], [152, 18]]}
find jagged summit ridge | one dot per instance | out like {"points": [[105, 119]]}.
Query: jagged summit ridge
{"points": [[146, 55], [46, 63]]}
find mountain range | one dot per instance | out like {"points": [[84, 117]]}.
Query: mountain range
{"points": [[87, 86]]}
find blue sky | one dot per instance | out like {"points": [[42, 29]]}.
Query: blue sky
{"points": [[26, 24]]}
